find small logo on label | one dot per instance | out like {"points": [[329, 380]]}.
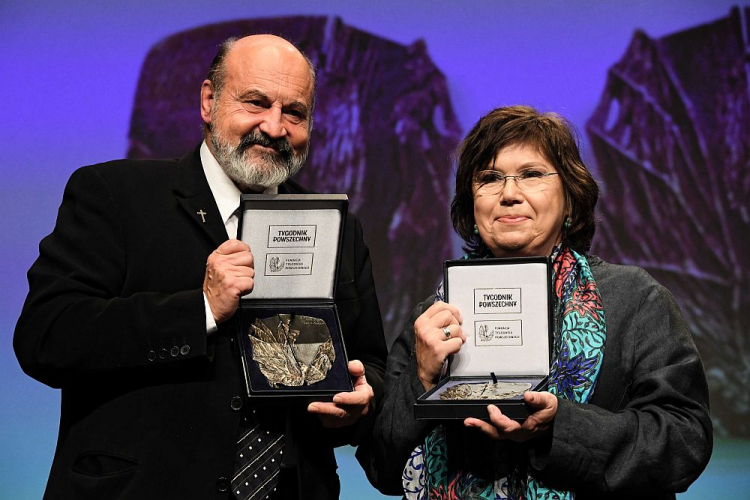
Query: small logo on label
{"points": [[484, 333], [275, 264]]}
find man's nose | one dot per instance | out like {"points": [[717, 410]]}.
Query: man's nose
{"points": [[272, 124]]}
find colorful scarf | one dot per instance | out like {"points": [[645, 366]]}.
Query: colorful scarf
{"points": [[577, 355]]}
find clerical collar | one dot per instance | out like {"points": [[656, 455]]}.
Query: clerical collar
{"points": [[226, 194]]}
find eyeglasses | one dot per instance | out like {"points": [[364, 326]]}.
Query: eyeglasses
{"points": [[492, 182]]}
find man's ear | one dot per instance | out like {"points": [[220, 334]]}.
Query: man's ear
{"points": [[207, 101]]}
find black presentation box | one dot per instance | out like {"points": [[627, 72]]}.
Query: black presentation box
{"points": [[290, 334], [506, 307]]}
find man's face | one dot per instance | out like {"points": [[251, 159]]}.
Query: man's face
{"points": [[259, 124]]}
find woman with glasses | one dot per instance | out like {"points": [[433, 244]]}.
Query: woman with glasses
{"points": [[625, 410]]}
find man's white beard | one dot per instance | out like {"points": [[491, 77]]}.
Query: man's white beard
{"points": [[256, 170]]}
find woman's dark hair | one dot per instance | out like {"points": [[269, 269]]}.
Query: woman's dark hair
{"points": [[553, 136]]}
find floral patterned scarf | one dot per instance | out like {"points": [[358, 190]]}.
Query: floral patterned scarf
{"points": [[578, 351]]}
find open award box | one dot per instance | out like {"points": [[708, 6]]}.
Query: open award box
{"points": [[506, 309], [290, 334]]}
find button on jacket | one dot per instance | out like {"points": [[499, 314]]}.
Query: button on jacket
{"points": [[115, 318]]}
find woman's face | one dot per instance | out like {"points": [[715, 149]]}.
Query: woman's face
{"points": [[513, 222]]}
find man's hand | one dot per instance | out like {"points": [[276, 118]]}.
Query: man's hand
{"points": [[535, 425], [347, 407], [229, 276]]}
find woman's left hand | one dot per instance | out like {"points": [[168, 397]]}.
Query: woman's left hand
{"points": [[535, 425]]}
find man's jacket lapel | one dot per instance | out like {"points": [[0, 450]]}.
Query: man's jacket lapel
{"points": [[195, 197]]}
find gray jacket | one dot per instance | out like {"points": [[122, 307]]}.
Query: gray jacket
{"points": [[646, 431]]}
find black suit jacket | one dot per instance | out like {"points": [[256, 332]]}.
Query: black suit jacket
{"points": [[115, 318]]}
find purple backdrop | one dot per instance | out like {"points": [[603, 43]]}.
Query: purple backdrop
{"points": [[71, 72]]}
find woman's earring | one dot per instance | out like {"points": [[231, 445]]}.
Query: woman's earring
{"points": [[566, 223], [476, 229]]}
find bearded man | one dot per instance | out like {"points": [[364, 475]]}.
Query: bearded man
{"points": [[131, 308]]}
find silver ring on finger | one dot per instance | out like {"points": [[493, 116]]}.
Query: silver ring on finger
{"points": [[447, 332]]}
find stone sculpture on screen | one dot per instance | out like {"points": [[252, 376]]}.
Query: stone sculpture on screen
{"points": [[671, 136]]}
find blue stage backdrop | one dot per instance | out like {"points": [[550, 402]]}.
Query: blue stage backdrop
{"points": [[659, 91]]}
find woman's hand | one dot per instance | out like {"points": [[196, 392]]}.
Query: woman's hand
{"points": [[438, 334], [537, 424]]}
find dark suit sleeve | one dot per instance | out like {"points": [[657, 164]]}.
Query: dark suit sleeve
{"points": [[660, 438], [396, 432], [368, 340], [359, 312], [76, 320]]}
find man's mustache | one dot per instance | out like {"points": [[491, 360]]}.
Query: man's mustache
{"points": [[280, 145]]}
